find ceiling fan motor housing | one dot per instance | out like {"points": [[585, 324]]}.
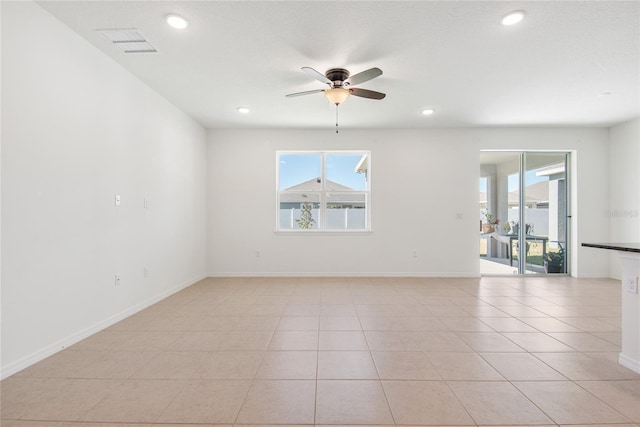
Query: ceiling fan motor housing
{"points": [[337, 76]]}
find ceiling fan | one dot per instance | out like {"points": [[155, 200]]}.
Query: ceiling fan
{"points": [[340, 83]]}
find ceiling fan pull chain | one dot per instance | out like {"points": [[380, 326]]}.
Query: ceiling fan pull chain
{"points": [[336, 118]]}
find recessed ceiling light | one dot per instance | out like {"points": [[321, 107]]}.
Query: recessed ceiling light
{"points": [[177, 22], [428, 111], [512, 18], [243, 110]]}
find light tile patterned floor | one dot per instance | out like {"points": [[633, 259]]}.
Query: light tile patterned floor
{"points": [[345, 351]]}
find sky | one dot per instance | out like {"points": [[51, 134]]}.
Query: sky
{"points": [[340, 168]]}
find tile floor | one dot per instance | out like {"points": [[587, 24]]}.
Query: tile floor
{"points": [[345, 351]]}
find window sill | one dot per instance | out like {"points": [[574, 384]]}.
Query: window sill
{"points": [[321, 232]]}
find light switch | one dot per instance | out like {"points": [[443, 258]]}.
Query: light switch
{"points": [[117, 200]]}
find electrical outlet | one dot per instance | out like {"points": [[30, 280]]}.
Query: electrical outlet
{"points": [[257, 254], [415, 254], [631, 285], [117, 280]]}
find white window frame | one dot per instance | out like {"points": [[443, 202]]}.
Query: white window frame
{"points": [[321, 220]]}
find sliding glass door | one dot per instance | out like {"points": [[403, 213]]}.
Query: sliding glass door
{"points": [[523, 212], [545, 213], [499, 189]]}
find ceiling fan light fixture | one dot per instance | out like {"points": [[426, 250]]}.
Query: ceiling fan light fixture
{"points": [[337, 95], [512, 18]]}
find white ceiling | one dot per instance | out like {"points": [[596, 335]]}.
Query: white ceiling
{"points": [[453, 56]]}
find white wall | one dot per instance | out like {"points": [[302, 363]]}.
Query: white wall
{"points": [[433, 173], [78, 129], [624, 187]]}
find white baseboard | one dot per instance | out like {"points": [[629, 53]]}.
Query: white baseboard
{"points": [[338, 274], [68, 341], [590, 276], [629, 363]]}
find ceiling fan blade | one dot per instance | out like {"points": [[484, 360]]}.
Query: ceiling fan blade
{"points": [[364, 76], [316, 75], [364, 93], [308, 92]]}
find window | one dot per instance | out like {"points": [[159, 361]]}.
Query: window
{"points": [[323, 191]]}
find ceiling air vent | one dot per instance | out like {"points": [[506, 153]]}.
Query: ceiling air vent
{"points": [[128, 40]]}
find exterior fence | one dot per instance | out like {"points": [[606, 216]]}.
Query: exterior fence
{"points": [[337, 219]]}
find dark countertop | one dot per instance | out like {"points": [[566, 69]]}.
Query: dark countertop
{"points": [[624, 247]]}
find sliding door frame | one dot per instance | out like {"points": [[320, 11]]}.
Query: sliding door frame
{"points": [[522, 231]]}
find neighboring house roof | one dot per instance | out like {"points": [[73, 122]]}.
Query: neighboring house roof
{"points": [[363, 164], [535, 193], [538, 192], [314, 184], [337, 192]]}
